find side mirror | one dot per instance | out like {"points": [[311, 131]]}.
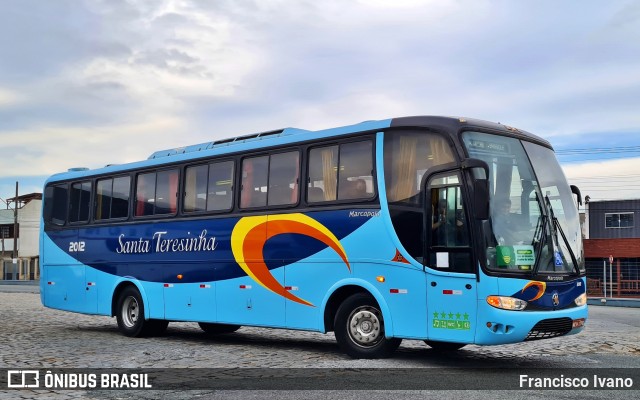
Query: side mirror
{"points": [[480, 176], [576, 191]]}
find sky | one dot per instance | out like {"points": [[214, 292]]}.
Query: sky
{"points": [[91, 83]]}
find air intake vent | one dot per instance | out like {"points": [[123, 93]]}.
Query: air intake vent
{"points": [[549, 328], [226, 142]]}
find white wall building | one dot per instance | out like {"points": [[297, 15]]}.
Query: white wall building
{"points": [[26, 266]]}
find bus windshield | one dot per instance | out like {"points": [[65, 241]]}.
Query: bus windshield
{"points": [[534, 225]]}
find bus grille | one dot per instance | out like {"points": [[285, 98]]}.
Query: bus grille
{"points": [[549, 328]]}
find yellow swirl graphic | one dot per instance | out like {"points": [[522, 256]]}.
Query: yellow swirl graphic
{"points": [[250, 235], [542, 286]]}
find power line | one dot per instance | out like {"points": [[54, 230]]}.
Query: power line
{"points": [[607, 177], [600, 159], [603, 153], [594, 150]]}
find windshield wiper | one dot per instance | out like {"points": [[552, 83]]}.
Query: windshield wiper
{"points": [[539, 236], [555, 228]]}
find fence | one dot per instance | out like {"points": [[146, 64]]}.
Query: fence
{"points": [[25, 269], [618, 279]]}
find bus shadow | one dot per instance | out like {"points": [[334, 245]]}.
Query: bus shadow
{"points": [[412, 353]]}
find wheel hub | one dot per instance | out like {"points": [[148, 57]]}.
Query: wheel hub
{"points": [[365, 329], [130, 312]]}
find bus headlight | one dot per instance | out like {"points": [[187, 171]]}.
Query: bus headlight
{"points": [[507, 303], [581, 300]]}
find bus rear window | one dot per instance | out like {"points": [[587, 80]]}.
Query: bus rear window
{"points": [[55, 208]]}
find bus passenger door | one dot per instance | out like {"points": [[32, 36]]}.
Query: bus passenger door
{"points": [[450, 273]]}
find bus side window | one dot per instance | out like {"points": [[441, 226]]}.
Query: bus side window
{"points": [[166, 192], [323, 174], [408, 155], [157, 193], [449, 226], [284, 173], [79, 202], [220, 192], [145, 194], [209, 187], [351, 180], [112, 198], [254, 182], [120, 197], [195, 187], [356, 168]]}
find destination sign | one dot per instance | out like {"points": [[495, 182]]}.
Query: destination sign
{"points": [[488, 147]]}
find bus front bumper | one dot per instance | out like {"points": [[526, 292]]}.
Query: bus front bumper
{"points": [[496, 326]]}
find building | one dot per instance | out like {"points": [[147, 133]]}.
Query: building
{"points": [[612, 248], [25, 264]]}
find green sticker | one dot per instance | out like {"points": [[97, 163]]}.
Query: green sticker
{"points": [[454, 321], [518, 256]]}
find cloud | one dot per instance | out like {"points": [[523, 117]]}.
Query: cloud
{"points": [[60, 148], [9, 98], [602, 180]]}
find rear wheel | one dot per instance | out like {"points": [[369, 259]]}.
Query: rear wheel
{"points": [[444, 346], [359, 328], [217, 329], [130, 316]]}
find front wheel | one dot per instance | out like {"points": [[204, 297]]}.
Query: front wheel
{"points": [[359, 329], [130, 316]]}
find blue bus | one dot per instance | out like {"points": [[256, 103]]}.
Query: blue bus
{"points": [[448, 230]]}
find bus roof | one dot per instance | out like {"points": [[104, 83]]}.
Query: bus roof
{"points": [[294, 135]]}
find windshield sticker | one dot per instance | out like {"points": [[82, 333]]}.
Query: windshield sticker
{"points": [[558, 257], [457, 321], [519, 256]]}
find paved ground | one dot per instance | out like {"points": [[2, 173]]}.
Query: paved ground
{"points": [[34, 337]]}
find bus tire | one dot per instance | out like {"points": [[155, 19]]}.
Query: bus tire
{"points": [[444, 346], [217, 329], [130, 315], [359, 328]]}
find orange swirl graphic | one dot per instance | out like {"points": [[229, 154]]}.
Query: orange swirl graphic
{"points": [[542, 286], [250, 235]]}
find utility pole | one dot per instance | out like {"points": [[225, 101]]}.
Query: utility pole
{"points": [[15, 235]]}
